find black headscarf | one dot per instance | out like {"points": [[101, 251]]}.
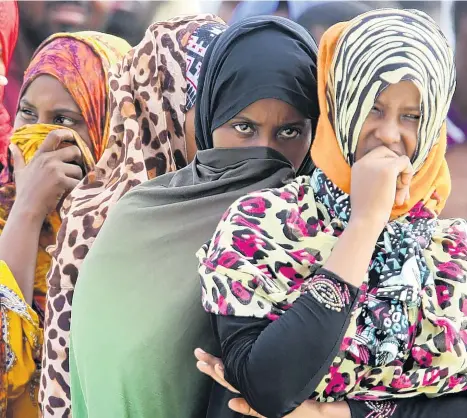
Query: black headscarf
{"points": [[263, 57]]}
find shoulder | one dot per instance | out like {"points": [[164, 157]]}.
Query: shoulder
{"points": [[261, 203]]}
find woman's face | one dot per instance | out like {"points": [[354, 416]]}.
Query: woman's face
{"points": [[393, 121], [268, 123], [47, 101]]}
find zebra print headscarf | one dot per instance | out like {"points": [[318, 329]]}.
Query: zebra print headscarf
{"points": [[384, 47]]}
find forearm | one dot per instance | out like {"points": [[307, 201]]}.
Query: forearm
{"points": [[19, 244], [277, 365], [352, 253]]}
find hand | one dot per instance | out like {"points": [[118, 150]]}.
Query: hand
{"points": [[41, 184], [380, 179], [214, 368]]}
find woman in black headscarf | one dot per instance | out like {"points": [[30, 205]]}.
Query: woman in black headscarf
{"points": [[136, 312]]}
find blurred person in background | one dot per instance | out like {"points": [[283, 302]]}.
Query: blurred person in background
{"points": [[61, 130], [457, 120], [8, 38], [317, 18], [139, 13], [226, 9], [291, 9], [40, 19]]}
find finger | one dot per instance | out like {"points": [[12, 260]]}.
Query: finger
{"points": [[3, 80], [241, 406], [206, 357], [211, 372], [382, 152], [18, 159], [69, 183], [54, 139], [404, 168], [71, 170], [69, 154]]}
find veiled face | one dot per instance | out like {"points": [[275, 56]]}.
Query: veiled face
{"points": [[393, 121], [268, 123], [47, 101]]}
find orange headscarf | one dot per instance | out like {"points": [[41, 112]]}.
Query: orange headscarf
{"points": [[431, 183]]}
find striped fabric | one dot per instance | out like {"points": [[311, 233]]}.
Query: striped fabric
{"points": [[385, 49]]}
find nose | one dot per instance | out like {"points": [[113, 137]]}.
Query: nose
{"points": [[267, 140], [388, 131]]}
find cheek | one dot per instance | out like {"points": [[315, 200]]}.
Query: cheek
{"points": [[411, 144], [411, 139], [361, 142], [224, 137], [296, 151], [19, 122]]}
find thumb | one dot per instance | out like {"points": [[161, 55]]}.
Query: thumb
{"points": [[18, 159]]}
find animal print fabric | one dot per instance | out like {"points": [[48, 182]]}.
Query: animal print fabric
{"points": [[408, 332], [147, 139]]}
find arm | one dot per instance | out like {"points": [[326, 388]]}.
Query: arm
{"points": [[39, 186], [259, 354], [277, 365], [19, 245]]}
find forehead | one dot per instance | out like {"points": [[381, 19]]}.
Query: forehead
{"points": [[404, 92], [278, 110], [47, 92]]}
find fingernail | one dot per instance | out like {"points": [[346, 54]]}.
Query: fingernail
{"points": [[201, 351], [3, 80]]}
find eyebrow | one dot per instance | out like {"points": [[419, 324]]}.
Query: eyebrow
{"points": [[300, 122], [404, 109], [25, 102], [411, 109]]}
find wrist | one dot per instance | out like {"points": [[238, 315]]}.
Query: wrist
{"points": [[27, 213], [369, 226]]}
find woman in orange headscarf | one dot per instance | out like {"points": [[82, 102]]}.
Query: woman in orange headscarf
{"points": [[345, 287], [8, 38], [61, 127]]}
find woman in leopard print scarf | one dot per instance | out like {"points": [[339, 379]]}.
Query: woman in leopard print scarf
{"points": [[152, 92]]}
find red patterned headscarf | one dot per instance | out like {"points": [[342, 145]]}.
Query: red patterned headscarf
{"points": [[76, 61]]}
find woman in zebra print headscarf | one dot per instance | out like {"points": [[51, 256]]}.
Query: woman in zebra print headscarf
{"points": [[345, 286]]}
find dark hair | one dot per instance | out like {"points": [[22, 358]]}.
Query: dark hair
{"points": [[329, 13], [459, 8]]}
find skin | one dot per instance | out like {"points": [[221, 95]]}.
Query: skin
{"points": [[381, 177], [268, 123], [47, 101], [393, 121], [46, 180], [190, 137]]}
